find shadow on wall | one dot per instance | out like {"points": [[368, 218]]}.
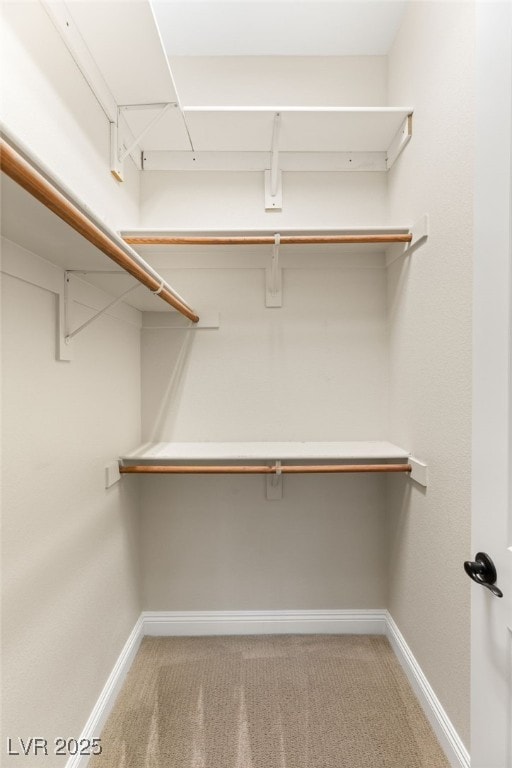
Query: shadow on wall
{"points": [[398, 276], [399, 505], [165, 385]]}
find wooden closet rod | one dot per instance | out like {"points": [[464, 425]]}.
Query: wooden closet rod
{"points": [[24, 174], [167, 469], [265, 239]]}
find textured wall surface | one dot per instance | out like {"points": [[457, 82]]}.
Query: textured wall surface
{"points": [[216, 543], [315, 369], [430, 347], [211, 200], [281, 80], [70, 561], [308, 371]]}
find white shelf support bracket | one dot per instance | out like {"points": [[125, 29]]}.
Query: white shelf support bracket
{"points": [[274, 278], [400, 141], [116, 166], [419, 472], [112, 474], [274, 177], [64, 350], [419, 231], [68, 301], [275, 484], [118, 151]]}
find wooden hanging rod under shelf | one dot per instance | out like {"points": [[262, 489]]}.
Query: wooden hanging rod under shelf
{"points": [[24, 174], [266, 239], [176, 469]]}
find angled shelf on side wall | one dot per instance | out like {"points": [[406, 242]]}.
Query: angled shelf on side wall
{"points": [[66, 231]]}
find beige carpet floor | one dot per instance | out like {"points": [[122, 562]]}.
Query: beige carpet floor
{"points": [[267, 701]]}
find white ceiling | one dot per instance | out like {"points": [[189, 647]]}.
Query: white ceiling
{"points": [[278, 27]]}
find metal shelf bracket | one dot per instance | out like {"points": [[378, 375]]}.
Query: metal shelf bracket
{"points": [[68, 301], [118, 150]]}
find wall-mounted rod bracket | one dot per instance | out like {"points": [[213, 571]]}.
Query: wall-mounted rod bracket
{"points": [[278, 473], [112, 474], [419, 232], [274, 483], [418, 235], [274, 278], [419, 471], [274, 177]]}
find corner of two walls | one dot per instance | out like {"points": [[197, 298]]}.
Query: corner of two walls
{"points": [[429, 304]]}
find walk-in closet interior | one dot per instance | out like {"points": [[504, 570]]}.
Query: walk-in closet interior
{"points": [[236, 315]]}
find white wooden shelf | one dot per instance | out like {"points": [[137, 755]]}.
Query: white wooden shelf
{"points": [[149, 122], [306, 138], [315, 129], [231, 130], [374, 229], [265, 451], [270, 459]]}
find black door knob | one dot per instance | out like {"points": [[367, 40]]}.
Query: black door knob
{"points": [[482, 571]]}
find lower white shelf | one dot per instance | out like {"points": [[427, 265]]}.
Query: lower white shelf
{"points": [[246, 458], [265, 451]]}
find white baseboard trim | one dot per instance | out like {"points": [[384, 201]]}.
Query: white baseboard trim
{"points": [[450, 741], [108, 696], [367, 622], [171, 623]]}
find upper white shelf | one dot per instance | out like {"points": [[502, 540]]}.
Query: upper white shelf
{"points": [[265, 451], [302, 129], [149, 122], [305, 138]]}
